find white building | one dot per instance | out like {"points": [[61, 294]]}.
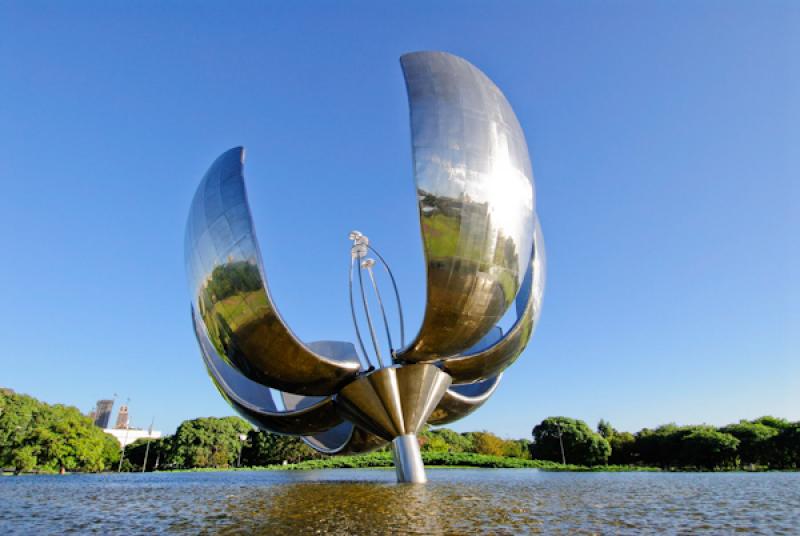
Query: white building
{"points": [[126, 436]]}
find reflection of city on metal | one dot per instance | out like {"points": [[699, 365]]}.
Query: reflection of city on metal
{"points": [[483, 252]]}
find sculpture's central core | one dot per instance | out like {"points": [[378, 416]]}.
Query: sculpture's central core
{"points": [[484, 256]]}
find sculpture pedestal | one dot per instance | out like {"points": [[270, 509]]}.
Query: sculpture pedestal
{"points": [[408, 460]]}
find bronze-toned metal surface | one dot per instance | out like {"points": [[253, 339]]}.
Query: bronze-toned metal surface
{"points": [[254, 401], [231, 296], [345, 439], [476, 201], [483, 250], [499, 356], [461, 400], [393, 401]]}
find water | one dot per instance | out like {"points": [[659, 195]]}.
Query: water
{"points": [[455, 501]]}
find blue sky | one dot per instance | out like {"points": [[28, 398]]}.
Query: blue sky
{"points": [[664, 138]]}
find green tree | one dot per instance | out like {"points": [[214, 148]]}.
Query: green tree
{"points": [[487, 443], [265, 448], [754, 441], [24, 459], [605, 429], [706, 448], [445, 440], [517, 448], [207, 442], [785, 447], [52, 438], [623, 448], [581, 445]]}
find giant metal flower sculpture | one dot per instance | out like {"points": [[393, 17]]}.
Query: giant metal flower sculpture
{"points": [[483, 251]]}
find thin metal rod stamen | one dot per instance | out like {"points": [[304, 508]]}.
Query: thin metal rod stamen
{"points": [[380, 304], [396, 294], [369, 318], [353, 313]]}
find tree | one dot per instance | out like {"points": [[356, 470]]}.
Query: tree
{"points": [[709, 449], [444, 440], [265, 448], [517, 448], [487, 443], [605, 429], [35, 435], [207, 442], [158, 452], [785, 447], [581, 445], [623, 448], [754, 441], [24, 459]]}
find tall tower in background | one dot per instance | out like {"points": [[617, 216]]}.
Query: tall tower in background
{"points": [[103, 413], [122, 418]]}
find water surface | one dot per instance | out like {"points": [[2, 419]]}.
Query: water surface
{"points": [[455, 501]]}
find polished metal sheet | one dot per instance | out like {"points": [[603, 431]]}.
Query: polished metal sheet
{"points": [[345, 439], [497, 357], [231, 296], [476, 201], [461, 400], [393, 401], [254, 401], [483, 250]]}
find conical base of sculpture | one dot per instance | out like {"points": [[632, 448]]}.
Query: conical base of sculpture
{"points": [[408, 459], [394, 403]]}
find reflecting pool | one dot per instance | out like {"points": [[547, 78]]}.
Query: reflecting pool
{"points": [[455, 501]]}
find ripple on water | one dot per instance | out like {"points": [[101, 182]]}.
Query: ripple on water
{"points": [[503, 501]]}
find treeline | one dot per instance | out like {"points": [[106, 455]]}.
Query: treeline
{"points": [[764, 443], [231, 442], [35, 436]]}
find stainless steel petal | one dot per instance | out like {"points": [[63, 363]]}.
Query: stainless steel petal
{"points": [[344, 439], [336, 350], [476, 201], [497, 357], [230, 292], [393, 401], [254, 401], [461, 400]]}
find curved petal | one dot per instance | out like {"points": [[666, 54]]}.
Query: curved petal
{"points": [[254, 401], [344, 439], [494, 359], [229, 291], [461, 400], [476, 201]]}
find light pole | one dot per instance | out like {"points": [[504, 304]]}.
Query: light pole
{"points": [[125, 439], [561, 442], [147, 447]]}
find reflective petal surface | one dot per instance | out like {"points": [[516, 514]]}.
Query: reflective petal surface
{"points": [[230, 293], [476, 201], [461, 400], [494, 359], [254, 401]]}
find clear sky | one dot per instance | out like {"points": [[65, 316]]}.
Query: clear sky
{"points": [[665, 140]]}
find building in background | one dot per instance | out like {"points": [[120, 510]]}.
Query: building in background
{"points": [[122, 418], [127, 436], [102, 415], [122, 431]]}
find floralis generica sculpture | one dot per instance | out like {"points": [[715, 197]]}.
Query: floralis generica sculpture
{"points": [[484, 253]]}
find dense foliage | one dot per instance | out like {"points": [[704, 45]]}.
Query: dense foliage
{"points": [[51, 438], [765, 443], [572, 439]]}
